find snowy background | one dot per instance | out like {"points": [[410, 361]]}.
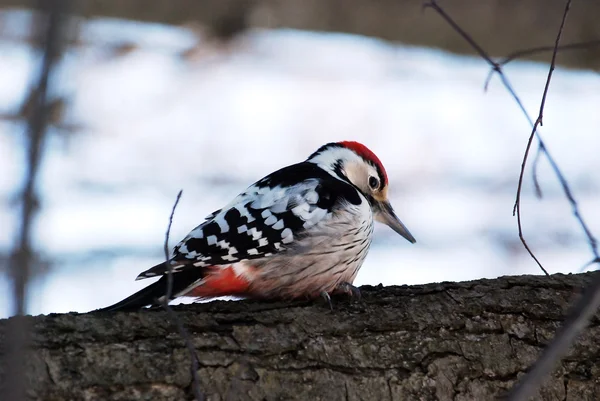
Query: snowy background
{"points": [[154, 122]]}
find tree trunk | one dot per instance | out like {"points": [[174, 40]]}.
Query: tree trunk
{"points": [[448, 341], [500, 26]]}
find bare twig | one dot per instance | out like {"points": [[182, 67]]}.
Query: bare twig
{"points": [[542, 146], [541, 49], [543, 149], [584, 309], [535, 50], [169, 291], [194, 366], [590, 301], [579, 316], [23, 259], [534, 175], [497, 68]]}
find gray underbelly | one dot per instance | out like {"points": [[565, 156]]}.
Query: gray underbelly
{"points": [[308, 275]]}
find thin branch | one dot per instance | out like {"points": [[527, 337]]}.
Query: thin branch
{"points": [[541, 49], [48, 26], [542, 149], [534, 175], [590, 301], [591, 262], [497, 68], [169, 292], [195, 365], [468, 38], [579, 316]]}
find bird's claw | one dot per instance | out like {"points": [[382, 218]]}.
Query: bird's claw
{"points": [[349, 289], [327, 298]]}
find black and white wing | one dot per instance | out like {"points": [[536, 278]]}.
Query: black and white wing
{"points": [[264, 220]]}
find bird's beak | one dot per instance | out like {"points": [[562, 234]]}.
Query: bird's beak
{"points": [[384, 213]]}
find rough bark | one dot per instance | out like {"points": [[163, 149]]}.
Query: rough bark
{"points": [[448, 341], [500, 26]]}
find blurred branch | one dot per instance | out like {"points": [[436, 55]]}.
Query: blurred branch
{"points": [[545, 49], [55, 114], [49, 24], [38, 120], [195, 365], [541, 49], [517, 24]]}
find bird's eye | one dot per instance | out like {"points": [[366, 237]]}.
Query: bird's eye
{"points": [[373, 182]]}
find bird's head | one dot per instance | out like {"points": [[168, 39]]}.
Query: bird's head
{"points": [[355, 163]]}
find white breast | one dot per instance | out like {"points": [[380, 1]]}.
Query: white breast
{"points": [[328, 254]]}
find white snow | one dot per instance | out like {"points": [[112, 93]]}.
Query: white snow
{"points": [[155, 124]]}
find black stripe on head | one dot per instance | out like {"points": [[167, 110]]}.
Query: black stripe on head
{"points": [[325, 147]]}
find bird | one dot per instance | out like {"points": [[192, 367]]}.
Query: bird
{"points": [[300, 232]]}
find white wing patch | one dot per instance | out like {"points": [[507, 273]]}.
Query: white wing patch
{"points": [[253, 226], [287, 236], [220, 220]]}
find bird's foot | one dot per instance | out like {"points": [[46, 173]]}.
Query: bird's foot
{"points": [[327, 298], [349, 289]]}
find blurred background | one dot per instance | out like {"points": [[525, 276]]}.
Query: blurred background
{"points": [[149, 97]]}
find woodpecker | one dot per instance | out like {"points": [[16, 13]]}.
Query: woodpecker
{"points": [[300, 232]]}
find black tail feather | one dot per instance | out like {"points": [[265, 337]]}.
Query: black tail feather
{"points": [[150, 295]]}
